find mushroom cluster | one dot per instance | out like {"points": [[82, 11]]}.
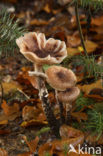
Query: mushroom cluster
{"points": [[63, 81], [39, 50]]}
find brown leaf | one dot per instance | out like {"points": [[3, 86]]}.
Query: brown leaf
{"points": [[3, 152], [33, 122], [26, 154], [11, 117], [3, 122], [73, 41], [97, 21], [88, 87], [69, 136], [4, 132], [90, 46], [8, 110], [38, 22], [79, 116], [10, 86], [70, 132], [32, 144], [92, 139], [30, 112]]}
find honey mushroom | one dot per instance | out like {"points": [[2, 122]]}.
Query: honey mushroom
{"points": [[40, 51], [60, 79]]}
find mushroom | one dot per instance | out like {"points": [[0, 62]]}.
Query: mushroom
{"points": [[60, 79], [36, 48], [40, 51], [67, 97]]}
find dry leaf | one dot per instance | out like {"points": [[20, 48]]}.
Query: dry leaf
{"points": [[73, 51], [69, 136], [26, 154], [11, 117], [73, 41], [79, 116], [8, 110], [88, 87], [92, 139], [3, 152], [8, 87], [70, 132], [33, 122], [90, 46], [38, 22], [30, 112], [97, 21], [32, 144], [3, 122], [2, 132]]}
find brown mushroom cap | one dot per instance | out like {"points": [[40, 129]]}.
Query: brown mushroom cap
{"points": [[60, 78], [69, 95], [37, 49]]}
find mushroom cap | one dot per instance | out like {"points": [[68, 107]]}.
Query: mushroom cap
{"points": [[69, 95], [36, 48], [60, 78]]}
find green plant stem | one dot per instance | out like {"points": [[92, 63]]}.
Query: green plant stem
{"points": [[79, 28]]}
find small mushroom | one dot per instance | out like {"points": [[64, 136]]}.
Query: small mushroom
{"points": [[67, 97], [60, 78]]}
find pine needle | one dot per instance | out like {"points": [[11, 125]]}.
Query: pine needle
{"points": [[9, 31]]}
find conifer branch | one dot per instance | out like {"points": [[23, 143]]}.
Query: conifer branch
{"points": [[9, 31]]}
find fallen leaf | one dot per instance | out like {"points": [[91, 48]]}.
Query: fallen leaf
{"points": [[32, 144], [38, 22], [3, 152], [8, 110], [73, 51], [8, 87], [79, 116], [26, 154], [2, 132], [73, 41], [3, 122], [90, 46], [30, 112], [33, 122], [98, 21], [11, 117], [88, 87], [70, 132], [69, 136], [92, 139]]}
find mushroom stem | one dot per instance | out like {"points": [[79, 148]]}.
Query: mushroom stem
{"points": [[68, 108], [43, 94], [38, 74], [62, 119]]}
